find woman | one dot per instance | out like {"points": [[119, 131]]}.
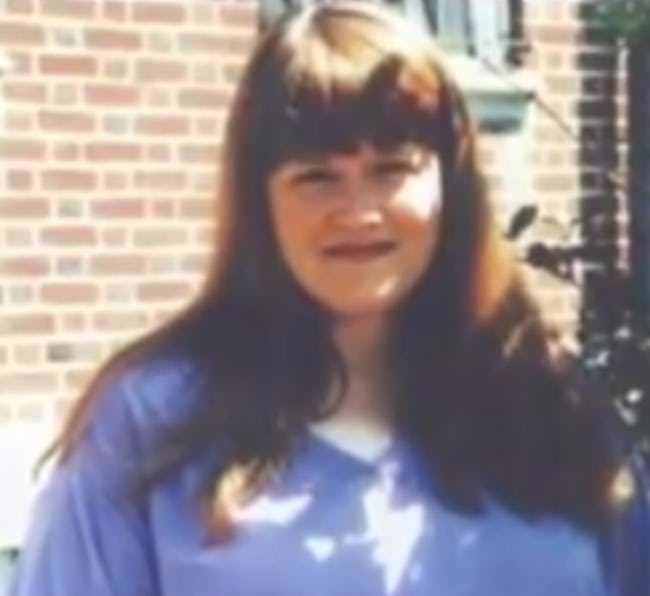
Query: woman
{"points": [[364, 399]]}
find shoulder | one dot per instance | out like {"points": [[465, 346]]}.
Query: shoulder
{"points": [[130, 405]]}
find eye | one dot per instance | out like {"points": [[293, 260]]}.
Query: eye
{"points": [[394, 167], [315, 176]]}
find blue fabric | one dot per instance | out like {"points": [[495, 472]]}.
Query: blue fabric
{"points": [[329, 525]]}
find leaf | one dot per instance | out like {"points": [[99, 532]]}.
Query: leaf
{"points": [[521, 221], [541, 256]]}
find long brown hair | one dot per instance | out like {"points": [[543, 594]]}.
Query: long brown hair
{"points": [[479, 391]]}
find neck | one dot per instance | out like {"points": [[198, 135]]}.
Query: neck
{"points": [[362, 344]]}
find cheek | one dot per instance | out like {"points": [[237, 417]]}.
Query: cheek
{"points": [[292, 229], [417, 208]]}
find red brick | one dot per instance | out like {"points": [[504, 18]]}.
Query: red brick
{"points": [[195, 153], [22, 149], [203, 98], [69, 293], [554, 34], [108, 39], [232, 73], [65, 151], [114, 10], [27, 382], [65, 94], [204, 12], [118, 208], [77, 380], [553, 60], [24, 266], [244, 15], [197, 263], [18, 237], [119, 320], [118, 264], [21, 207], [553, 9], [82, 9], [564, 84], [551, 134], [205, 235], [115, 68], [18, 122], [26, 324], [25, 92], [162, 316], [68, 65], [114, 236], [210, 43], [19, 6], [31, 411], [21, 63], [197, 209], [20, 33], [74, 351], [163, 125], [28, 354], [73, 321], [69, 236], [149, 70], [158, 12], [113, 152], [70, 265], [66, 121], [159, 153], [162, 208], [159, 236], [163, 291], [112, 95], [74, 180], [160, 180], [555, 183], [211, 126], [115, 180]]}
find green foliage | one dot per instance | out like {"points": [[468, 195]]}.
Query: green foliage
{"points": [[628, 20]]}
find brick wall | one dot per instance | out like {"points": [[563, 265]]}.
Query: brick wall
{"points": [[559, 160], [112, 123], [109, 141]]}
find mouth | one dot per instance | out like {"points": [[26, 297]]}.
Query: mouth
{"points": [[361, 251]]}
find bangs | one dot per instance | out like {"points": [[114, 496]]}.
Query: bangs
{"points": [[329, 87]]}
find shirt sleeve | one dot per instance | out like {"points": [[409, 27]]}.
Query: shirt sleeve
{"points": [[89, 535]]}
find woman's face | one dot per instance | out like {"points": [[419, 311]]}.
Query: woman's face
{"points": [[357, 230]]}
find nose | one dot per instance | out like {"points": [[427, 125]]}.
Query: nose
{"points": [[360, 208]]}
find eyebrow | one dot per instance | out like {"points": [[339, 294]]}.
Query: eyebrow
{"points": [[312, 159]]}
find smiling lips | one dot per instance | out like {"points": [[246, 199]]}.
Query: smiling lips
{"points": [[360, 251]]}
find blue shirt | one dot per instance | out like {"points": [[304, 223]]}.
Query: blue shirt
{"points": [[330, 524]]}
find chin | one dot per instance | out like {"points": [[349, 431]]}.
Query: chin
{"points": [[366, 308]]}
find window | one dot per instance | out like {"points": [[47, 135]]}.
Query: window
{"points": [[486, 29]]}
